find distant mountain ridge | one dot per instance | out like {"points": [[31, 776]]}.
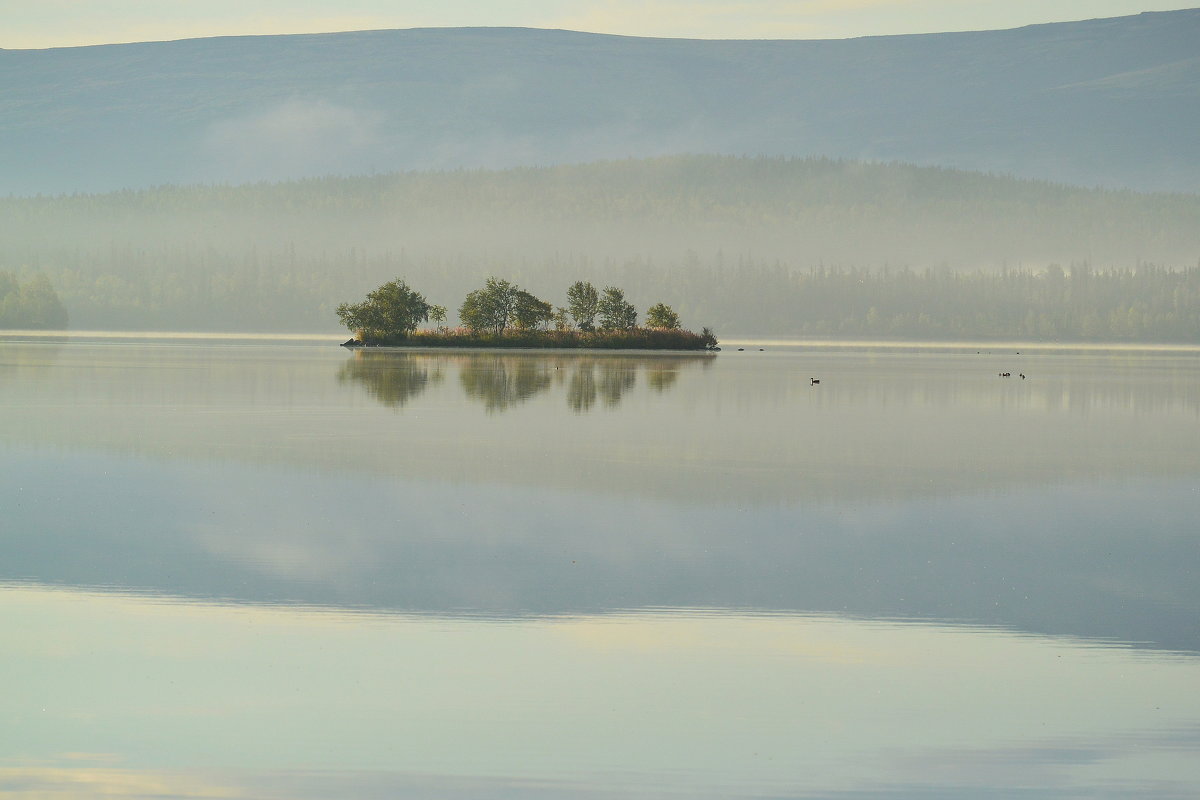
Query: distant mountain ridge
{"points": [[1113, 102]]}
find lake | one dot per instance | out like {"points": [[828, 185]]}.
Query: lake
{"points": [[269, 569]]}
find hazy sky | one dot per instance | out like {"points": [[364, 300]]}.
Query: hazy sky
{"points": [[56, 23]]}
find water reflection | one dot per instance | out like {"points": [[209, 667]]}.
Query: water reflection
{"points": [[742, 428], [503, 380], [917, 486], [616, 377], [1145, 384], [662, 376], [225, 573], [1113, 561], [644, 704], [30, 358], [390, 380], [581, 391]]}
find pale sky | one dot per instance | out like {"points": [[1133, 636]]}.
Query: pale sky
{"points": [[63, 23]]}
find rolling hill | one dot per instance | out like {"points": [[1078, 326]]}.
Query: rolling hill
{"points": [[1112, 102]]}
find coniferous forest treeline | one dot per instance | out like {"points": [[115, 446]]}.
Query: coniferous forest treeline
{"points": [[753, 246]]}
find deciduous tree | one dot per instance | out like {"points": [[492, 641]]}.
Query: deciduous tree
{"points": [[583, 303], [437, 315], [616, 313], [661, 315], [529, 312], [390, 312], [490, 308]]}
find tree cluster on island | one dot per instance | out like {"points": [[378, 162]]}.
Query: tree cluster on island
{"points": [[502, 314]]}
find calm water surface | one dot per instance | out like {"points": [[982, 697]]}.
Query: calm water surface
{"points": [[290, 571]]}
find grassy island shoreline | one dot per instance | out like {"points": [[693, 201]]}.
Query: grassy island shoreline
{"points": [[625, 339], [504, 316]]}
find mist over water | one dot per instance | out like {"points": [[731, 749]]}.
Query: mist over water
{"points": [[292, 138], [750, 247]]}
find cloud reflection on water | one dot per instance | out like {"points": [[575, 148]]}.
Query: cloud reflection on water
{"points": [[675, 700]]}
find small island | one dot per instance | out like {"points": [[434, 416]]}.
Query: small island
{"points": [[502, 314]]}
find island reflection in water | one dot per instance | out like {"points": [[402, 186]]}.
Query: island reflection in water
{"points": [[502, 380]]}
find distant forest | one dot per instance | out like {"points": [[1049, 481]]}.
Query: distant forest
{"points": [[748, 246]]}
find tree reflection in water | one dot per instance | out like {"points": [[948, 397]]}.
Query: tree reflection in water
{"points": [[662, 376], [581, 390], [616, 378], [501, 381], [29, 357], [391, 378]]}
